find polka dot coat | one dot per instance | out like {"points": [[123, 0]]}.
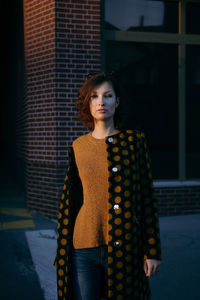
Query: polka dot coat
{"points": [[133, 225]]}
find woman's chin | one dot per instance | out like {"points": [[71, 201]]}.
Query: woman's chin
{"points": [[103, 118]]}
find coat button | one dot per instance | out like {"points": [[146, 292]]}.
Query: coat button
{"points": [[116, 206], [110, 139], [114, 169], [116, 244]]}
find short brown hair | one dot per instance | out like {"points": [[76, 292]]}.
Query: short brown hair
{"points": [[82, 103]]}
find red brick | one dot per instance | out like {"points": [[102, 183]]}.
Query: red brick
{"points": [[57, 46]]}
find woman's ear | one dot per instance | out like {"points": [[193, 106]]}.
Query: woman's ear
{"points": [[117, 102]]}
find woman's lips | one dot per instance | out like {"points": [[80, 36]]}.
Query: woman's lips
{"points": [[101, 110]]}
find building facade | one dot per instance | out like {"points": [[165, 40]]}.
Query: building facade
{"points": [[154, 46]]}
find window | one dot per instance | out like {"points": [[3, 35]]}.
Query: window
{"points": [[192, 18], [155, 47], [149, 88], [192, 110]]}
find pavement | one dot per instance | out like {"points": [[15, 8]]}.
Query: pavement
{"points": [[179, 274], [28, 248]]}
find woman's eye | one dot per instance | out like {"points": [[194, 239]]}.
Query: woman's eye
{"points": [[108, 95], [105, 95]]}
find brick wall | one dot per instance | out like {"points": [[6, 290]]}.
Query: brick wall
{"points": [[39, 39], [178, 200], [77, 53], [62, 44]]}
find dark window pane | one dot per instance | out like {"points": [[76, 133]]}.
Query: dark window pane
{"points": [[149, 97], [141, 15], [192, 18], [193, 110]]}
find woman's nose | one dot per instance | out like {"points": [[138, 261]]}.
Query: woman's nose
{"points": [[100, 100]]}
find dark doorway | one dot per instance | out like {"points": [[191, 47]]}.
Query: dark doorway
{"points": [[12, 95]]}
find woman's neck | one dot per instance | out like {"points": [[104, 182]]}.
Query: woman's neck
{"points": [[101, 132]]}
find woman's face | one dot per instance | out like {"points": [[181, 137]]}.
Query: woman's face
{"points": [[103, 102]]}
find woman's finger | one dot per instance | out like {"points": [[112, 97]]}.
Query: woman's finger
{"points": [[149, 266], [145, 267], [156, 268]]}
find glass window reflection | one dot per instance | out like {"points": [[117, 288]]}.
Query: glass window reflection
{"points": [[148, 76], [141, 15], [193, 20], [192, 112]]}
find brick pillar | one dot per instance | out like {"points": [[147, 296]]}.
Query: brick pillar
{"points": [[62, 44]]}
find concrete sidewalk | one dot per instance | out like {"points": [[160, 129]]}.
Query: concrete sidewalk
{"points": [[42, 245], [180, 270], [19, 276]]}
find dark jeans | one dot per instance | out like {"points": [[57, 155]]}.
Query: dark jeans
{"points": [[90, 272]]}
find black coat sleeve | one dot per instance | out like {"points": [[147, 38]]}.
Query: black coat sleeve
{"points": [[70, 203], [150, 221]]}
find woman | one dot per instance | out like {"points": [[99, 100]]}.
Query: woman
{"points": [[108, 230]]}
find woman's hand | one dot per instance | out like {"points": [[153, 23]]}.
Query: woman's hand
{"points": [[151, 266]]}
